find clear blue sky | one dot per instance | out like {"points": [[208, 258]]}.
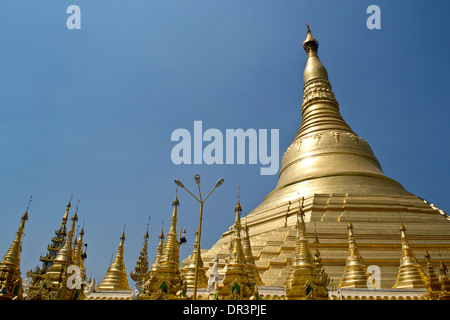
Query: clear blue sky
{"points": [[91, 111]]}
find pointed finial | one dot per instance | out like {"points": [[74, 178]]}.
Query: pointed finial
{"points": [[70, 201], [146, 236], [238, 203], [300, 206], [123, 233], [176, 202], [161, 236], [75, 215], [310, 43], [82, 230], [29, 202], [25, 215]]}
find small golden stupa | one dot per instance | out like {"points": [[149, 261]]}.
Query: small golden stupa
{"points": [[189, 270], [253, 275], [236, 285], [445, 282], [304, 281], [355, 272], [166, 281], [10, 279], [410, 274], [159, 249], [116, 279], [140, 273], [432, 282]]}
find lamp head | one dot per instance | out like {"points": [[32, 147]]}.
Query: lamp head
{"points": [[197, 178], [219, 182], [178, 183]]}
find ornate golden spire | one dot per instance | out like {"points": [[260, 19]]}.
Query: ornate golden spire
{"points": [[320, 109], [410, 274], [236, 282], [64, 258], [189, 271], [158, 255], [170, 254], [325, 279], [56, 242], [79, 256], [326, 156], [355, 272], [432, 283], [303, 281], [302, 252], [10, 280], [116, 277], [444, 281], [252, 271], [140, 273], [166, 280]]}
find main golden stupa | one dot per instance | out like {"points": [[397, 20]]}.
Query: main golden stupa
{"points": [[339, 178]]}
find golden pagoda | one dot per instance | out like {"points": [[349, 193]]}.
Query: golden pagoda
{"points": [[55, 283], [10, 279], [410, 274], [116, 279], [252, 271], [37, 275], [236, 285], [166, 281], [444, 281], [432, 283], [79, 255], [189, 270], [326, 164], [355, 272], [159, 249], [140, 273], [323, 276], [304, 281], [57, 273]]}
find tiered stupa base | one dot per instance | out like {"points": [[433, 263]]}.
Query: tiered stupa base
{"points": [[376, 217]]}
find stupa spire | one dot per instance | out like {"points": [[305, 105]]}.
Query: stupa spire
{"points": [[57, 241], [64, 258], [116, 277], [304, 280], [159, 250], [79, 256], [189, 271], [410, 274], [166, 278], [171, 249], [432, 282], [139, 275], [320, 110], [355, 272], [303, 254], [10, 280], [236, 281], [325, 154], [252, 271]]}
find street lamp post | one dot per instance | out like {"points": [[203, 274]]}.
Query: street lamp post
{"points": [[199, 230]]}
